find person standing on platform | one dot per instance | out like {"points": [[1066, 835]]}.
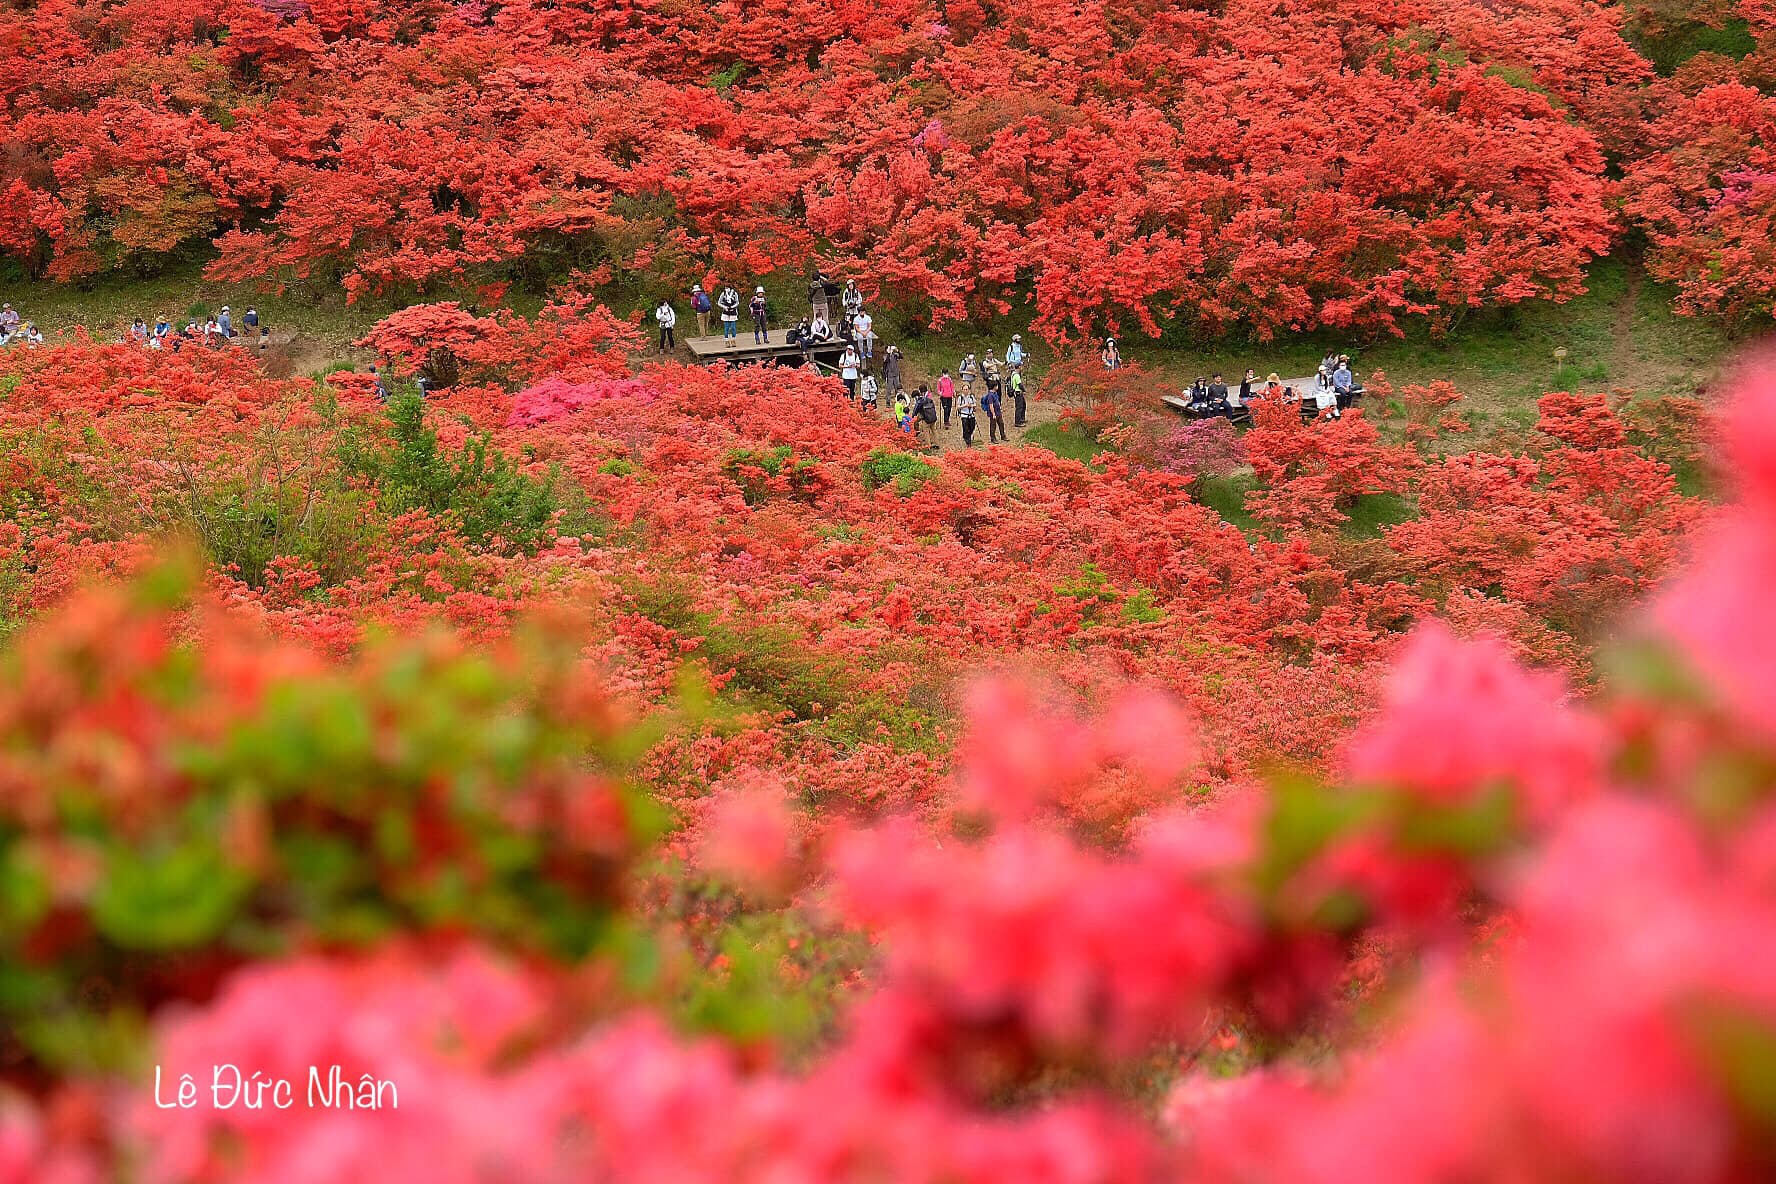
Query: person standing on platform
{"points": [[761, 334], [700, 305], [666, 319], [853, 300], [729, 303]]}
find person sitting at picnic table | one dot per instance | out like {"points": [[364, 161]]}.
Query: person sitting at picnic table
{"points": [[1273, 386], [1343, 381], [1014, 353], [1245, 391], [1328, 364], [863, 330], [1218, 394]]}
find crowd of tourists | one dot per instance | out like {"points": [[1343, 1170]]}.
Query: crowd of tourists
{"points": [[1335, 386], [213, 332]]}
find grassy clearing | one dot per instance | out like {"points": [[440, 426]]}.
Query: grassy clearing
{"points": [[1064, 441]]}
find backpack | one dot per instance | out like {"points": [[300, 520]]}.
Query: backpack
{"points": [[702, 302], [927, 410]]}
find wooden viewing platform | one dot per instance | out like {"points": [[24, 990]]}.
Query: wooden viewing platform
{"points": [[715, 349]]}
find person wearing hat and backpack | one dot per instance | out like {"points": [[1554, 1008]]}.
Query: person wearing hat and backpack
{"points": [[1014, 353], [700, 305]]}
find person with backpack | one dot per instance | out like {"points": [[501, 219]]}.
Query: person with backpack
{"points": [[1014, 353], [965, 411], [946, 395], [849, 365], [925, 408], [761, 333], [965, 373], [868, 392], [700, 305], [995, 413], [1020, 409], [729, 303], [903, 412], [667, 318]]}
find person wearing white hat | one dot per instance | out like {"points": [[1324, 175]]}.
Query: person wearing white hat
{"points": [[225, 322], [761, 333], [1014, 353]]}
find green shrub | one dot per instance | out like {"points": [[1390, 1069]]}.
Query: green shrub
{"points": [[907, 471], [478, 487]]}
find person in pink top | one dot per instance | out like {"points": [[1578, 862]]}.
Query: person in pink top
{"points": [[946, 395]]}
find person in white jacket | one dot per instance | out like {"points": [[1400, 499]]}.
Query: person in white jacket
{"points": [[667, 319]]}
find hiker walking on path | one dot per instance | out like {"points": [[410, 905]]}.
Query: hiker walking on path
{"points": [[729, 303], [761, 334], [700, 305], [946, 395], [868, 393], [667, 319], [925, 412], [965, 373], [1014, 353], [965, 411]]}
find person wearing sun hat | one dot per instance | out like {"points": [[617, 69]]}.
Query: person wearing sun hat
{"points": [[1014, 353], [225, 322], [761, 334]]}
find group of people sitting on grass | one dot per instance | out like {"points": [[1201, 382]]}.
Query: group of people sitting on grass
{"points": [[1335, 385], [213, 332], [14, 330]]}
